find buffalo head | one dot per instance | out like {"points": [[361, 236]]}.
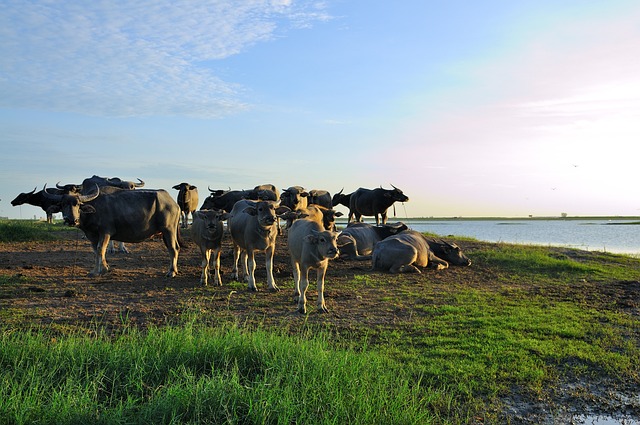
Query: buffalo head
{"points": [[73, 204]]}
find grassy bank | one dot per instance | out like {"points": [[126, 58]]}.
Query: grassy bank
{"points": [[29, 230], [523, 321]]}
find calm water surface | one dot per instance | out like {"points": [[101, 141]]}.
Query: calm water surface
{"points": [[619, 236]]}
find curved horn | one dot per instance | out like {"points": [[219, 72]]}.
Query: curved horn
{"points": [[340, 193], [33, 191], [394, 187], [58, 186], [56, 198], [141, 184], [90, 196], [211, 190]]}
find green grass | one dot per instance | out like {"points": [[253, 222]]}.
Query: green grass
{"points": [[28, 230], [194, 374]]}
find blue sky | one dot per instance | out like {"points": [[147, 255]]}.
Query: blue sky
{"points": [[473, 108]]}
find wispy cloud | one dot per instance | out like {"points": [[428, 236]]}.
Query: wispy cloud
{"points": [[134, 58]]}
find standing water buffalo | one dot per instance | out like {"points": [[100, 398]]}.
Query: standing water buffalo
{"points": [[310, 247], [319, 197], [357, 240], [408, 250], [187, 201], [294, 197], [341, 199], [124, 215], [371, 202], [226, 199], [90, 183], [207, 231], [253, 227], [38, 199]]}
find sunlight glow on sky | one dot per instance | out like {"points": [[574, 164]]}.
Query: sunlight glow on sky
{"points": [[493, 109]]}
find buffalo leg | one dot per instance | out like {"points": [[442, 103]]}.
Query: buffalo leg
{"points": [[271, 282], [304, 284], [217, 280], [249, 261], [171, 242], [296, 280], [236, 257], [101, 266], [320, 273], [204, 278]]}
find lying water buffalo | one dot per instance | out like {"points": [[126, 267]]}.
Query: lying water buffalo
{"points": [[406, 251], [357, 240]]}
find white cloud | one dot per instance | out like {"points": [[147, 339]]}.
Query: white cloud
{"points": [[133, 58]]}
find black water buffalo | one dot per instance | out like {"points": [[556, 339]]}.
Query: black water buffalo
{"points": [[319, 197], [294, 197], [264, 192], [408, 250], [89, 185], [187, 200], [357, 240], [225, 199], [310, 247], [206, 232], [374, 202], [341, 199], [37, 199], [253, 227], [122, 215]]}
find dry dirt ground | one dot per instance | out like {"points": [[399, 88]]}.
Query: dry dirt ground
{"points": [[136, 292]]}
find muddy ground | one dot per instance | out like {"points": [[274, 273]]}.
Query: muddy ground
{"points": [[58, 292]]}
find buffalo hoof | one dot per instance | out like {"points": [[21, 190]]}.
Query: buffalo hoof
{"points": [[171, 274], [253, 289], [97, 274], [323, 309], [302, 310]]}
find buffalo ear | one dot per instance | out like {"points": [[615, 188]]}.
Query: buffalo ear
{"points": [[251, 211], [282, 210], [87, 209], [223, 216], [312, 238], [176, 187]]}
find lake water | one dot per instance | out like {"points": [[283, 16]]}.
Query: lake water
{"points": [[618, 236]]}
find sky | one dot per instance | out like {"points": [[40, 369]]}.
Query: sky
{"points": [[472, 108]]}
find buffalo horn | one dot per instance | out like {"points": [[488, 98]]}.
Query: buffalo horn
{"points": [[90, 196], [51, 196], [141, 184]]}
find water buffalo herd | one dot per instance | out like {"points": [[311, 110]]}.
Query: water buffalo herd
{"points": [[108, 209]]}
